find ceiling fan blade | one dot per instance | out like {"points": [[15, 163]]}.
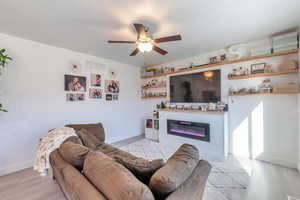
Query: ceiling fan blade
{"points": [[124, 42], [140, 29], [168, 39], [134, 52], [159, 50]]}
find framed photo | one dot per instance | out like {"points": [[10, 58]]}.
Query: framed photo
{"points": [[71, 97], [75, 97], [213, 59], [115, 97], [96, 80], [95, 93], [223, 57], [108, 97], [112, 86], [80, 97], [75, 83], [258, 68]]}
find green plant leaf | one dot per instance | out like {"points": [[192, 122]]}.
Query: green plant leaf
{"points": [[4, 58]]}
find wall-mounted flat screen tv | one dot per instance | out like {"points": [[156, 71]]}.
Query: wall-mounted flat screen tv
{"points": [[201, 87]]}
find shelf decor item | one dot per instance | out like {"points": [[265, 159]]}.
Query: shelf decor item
{"points": [[289, 64], [285, 42], [258, 68]]}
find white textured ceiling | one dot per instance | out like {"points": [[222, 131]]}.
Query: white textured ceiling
{"points": [[205, 25]]}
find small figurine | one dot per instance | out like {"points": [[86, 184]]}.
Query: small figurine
{"points": [[268, 68], [266, 86]]}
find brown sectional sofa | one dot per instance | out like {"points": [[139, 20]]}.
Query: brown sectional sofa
{"points": [[182, 177]]}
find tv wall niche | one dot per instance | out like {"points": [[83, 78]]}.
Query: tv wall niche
{"points": [[200, 87]]}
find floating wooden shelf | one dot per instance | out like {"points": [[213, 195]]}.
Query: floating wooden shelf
{"points": [[191, 111], [154, 97], [262, 74], [225, 63], [263, 93], [153, 87], [156, 75]]}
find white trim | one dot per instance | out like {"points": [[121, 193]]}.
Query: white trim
{"points": [[277, 160], [16, 167]]}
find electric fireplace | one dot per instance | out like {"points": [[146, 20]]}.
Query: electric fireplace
{"points": [[195, 130]]}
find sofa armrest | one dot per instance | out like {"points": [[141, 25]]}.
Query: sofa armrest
{"points": [[193, 187], [73, 184]]}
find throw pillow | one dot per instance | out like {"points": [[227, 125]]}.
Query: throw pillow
{"points": [[73, 153], [178, 168], [89, 139], [141, 168], [114, 180]]}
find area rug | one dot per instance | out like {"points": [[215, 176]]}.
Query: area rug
{"points": [[228, 180]]}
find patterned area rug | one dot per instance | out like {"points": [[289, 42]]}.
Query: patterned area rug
{"points": [[228, 180]]}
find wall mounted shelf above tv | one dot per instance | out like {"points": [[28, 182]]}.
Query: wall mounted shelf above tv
{"points": [[262, 74], [190, 111], [151, 97], [150, 87], [224, 63], [262, 93]]}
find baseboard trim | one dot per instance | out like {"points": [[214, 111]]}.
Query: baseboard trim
{"points": [[16, 167], [128, 141], [277, 160]]}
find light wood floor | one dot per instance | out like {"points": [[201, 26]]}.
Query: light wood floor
{"points": [[265, 181]]}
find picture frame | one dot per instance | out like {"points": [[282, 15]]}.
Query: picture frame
{"points": [[80, 96], [108, 97], [258, 68], [213, 60], [115, 97], [223, 57], [95, 93], [73, 97], [112, 86], [96, 80], [75, 83]]}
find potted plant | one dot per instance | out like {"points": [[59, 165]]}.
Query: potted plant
{"points": [[3, 61], [3, 58]]}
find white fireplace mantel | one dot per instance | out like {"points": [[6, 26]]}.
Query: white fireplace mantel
{"points": [[216, 149]]}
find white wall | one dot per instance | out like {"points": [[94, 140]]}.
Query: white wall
{"points": [[262, 127], [32, 89]]}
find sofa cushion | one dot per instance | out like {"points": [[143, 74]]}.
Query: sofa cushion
{"points": [[88, 139], [74, 153], [112, 152], [177, 169], [141, 168], [74, 139], [73, 184], [114, 180], [95, 129], [193, 188]]}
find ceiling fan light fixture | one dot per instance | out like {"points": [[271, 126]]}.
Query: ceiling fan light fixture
{"points": [[145, 46]]}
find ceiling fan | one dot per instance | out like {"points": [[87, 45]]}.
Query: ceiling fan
{"points": [[145, 42]]}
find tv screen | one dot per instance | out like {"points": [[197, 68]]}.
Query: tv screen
{"points": [[202, 87]]}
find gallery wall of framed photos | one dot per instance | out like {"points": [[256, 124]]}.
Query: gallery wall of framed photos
{"points": [[97, 83]]}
